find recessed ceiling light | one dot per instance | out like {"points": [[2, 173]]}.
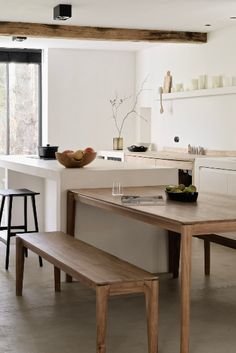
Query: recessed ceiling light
{"points": [[207, 25], [233, 17], [62, 12], [18, 39]]}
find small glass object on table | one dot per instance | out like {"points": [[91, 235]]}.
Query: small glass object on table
{"points": [[117, 188]]}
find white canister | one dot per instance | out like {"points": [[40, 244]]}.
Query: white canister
{"points": [[202, 81], [216, 81], [179, 87], [194, 83]]}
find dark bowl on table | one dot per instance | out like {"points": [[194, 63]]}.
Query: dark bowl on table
{"points": [[134, 148], [182, 196]]}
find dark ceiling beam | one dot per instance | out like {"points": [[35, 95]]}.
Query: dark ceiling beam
{"points": [[40, 30]]}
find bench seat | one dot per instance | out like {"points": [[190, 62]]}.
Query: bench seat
{"points": [[107, 274]]}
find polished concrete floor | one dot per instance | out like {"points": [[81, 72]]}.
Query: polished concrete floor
{"points": [[46, 322]]}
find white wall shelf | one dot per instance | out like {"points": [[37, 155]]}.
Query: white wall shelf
{"points": [[199, 93]]}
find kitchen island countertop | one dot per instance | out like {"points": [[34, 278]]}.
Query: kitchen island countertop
{"points": [[49, 166], [52, 181]]}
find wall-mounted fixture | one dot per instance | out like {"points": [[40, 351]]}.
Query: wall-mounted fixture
{"points": [[62, 12], [18, 39]]}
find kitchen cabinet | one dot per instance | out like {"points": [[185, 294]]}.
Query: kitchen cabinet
{"points": [[216, 175], [174, 164], [213, 181], [217, 181], [183, 162]]}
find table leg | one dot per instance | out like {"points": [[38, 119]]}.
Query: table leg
{"points": [[174, 253], [186, 252], [151, 297]]}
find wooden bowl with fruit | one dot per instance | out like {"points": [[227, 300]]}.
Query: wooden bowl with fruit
{"points": [[181, 193], [77, 159]]}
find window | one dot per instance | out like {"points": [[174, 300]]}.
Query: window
{"points": [[20, 101]]}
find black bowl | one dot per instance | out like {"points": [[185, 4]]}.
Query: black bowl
{"points": [[134, 148], [182, 196], [47, 151]]}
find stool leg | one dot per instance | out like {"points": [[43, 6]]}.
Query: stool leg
{"points": [[36, 223], [25, 214], [151, 296], [25, 221], [19, 266], [8, 233], [102, 294], [2, 207]]}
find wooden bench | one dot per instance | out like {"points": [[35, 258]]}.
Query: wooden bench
{"points": [[107, 274]]}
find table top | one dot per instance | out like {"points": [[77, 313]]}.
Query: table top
{"points": [[208, 208]]}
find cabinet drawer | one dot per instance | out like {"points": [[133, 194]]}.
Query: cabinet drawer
{"points": [[143, 160], [174, 164]]}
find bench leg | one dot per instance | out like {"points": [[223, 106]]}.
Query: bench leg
{"points": [[151, 296], [57, 279], [102, 294], [20, 259], [207, 257]]}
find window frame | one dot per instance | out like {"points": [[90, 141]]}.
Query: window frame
{"points": [[22, 56]]}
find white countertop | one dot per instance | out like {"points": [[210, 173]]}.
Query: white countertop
{"points": [[53, 170], [54, 165]]}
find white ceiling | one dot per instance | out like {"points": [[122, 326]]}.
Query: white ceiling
{"points": [[186, 15]]}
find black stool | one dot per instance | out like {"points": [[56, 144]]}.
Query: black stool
{"points": [[11, 193]]}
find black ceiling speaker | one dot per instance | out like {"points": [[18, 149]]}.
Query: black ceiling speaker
{"points": [[62, 12]]}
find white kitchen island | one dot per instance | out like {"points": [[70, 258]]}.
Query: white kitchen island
{"points": [[129, 239]]}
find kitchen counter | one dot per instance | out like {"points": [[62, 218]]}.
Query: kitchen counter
{"points": [[52, 181], [179, 159], [174, 156]]}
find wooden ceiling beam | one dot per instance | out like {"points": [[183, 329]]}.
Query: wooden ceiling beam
{"points": [[98, 33]]}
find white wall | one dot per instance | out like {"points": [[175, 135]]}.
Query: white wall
{"points": [[80, 85], [206, 121]]}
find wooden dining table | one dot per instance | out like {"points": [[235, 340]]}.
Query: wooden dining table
{"points": [[210, 214]]}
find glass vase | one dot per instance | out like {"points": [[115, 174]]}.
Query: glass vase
{"points": [[118, 143]]}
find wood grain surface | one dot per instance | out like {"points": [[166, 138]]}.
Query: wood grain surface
{"points": [[98, 33], [81, 260], [208, 210], [210, 214]]}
